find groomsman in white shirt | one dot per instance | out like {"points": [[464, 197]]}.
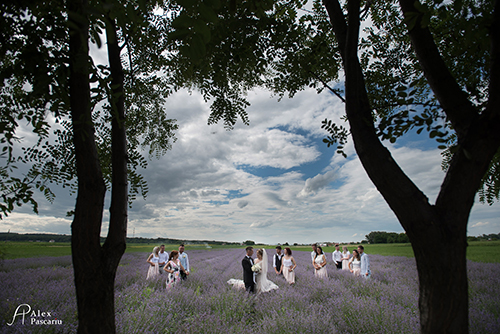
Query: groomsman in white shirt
{"points": [[277, 258], [183, 257], [337, 257], [313, 253], [365, 262], [163, 258]]}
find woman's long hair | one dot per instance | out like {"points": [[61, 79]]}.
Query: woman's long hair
{"points": [[355, 254], [319, 251], [173, 254]]}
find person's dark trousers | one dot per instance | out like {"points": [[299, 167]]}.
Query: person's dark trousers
{"points": [[250, 288], [183, 274], [339, 265]]}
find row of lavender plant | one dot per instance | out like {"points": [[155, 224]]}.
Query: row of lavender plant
{"points": [[205, 303]]}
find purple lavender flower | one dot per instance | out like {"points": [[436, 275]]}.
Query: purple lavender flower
{"points": [[205, 303]]}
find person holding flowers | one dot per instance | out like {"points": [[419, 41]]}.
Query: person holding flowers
{"points": [[320, 264], [260, 268], [355, 263], [345, 258], [173, 268], [288, 266]]}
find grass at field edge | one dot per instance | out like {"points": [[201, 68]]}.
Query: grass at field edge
{"points": [[478, 251]]}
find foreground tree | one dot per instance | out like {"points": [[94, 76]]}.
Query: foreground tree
{"points": [[46, 69], [443, 299], [93, 144]]}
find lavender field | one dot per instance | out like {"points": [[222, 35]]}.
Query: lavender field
{"points": [[387, 303]]}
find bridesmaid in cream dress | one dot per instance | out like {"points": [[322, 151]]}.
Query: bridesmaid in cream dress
{"points": [[355, 263], [288, 265], [320, 263], [153, 259], [345, 258]]}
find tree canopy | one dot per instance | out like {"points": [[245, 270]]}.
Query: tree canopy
{"points": [[425, 66], [284, 47], [34, 95]]}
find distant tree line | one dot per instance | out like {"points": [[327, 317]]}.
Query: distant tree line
{"points": [[379, 237], [484, 237], [35, 237], [138, 240]]}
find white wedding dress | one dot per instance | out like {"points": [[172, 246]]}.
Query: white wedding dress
{"points": [[262, 284]]}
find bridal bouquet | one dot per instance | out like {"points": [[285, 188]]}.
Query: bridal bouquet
{"points": [[256, 267]]}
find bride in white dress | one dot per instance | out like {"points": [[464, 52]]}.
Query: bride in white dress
{"points": [[262, 284]]}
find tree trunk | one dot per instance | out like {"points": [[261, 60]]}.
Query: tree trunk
{"points": [[93, 282], [94, 266], [115, 243], [442, 272], [432, 229]]}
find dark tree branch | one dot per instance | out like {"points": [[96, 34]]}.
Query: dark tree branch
{"points": [[397, 189], [493, 107], [481, 142], [327, 86], [339, 25], [115, 241], [454, 100]]}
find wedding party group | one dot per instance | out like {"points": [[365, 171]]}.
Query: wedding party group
{"points": [[358, 263], [255, 270], [175, 265]]}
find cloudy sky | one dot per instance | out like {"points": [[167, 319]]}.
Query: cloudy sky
{"points": [[272, 181]]}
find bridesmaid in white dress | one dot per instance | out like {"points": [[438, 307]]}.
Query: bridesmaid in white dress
{"points": [[153, 260], [288, 266], [320, 264], [345, 258], [355, 263]]}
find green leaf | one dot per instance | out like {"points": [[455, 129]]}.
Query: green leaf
{"points": [[187, 3], [213, 3], [202, 30], [207, 13], [179, 34], [183, 21]]}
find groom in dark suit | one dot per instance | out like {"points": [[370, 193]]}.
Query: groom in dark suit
{"points": [[248, 276]]}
